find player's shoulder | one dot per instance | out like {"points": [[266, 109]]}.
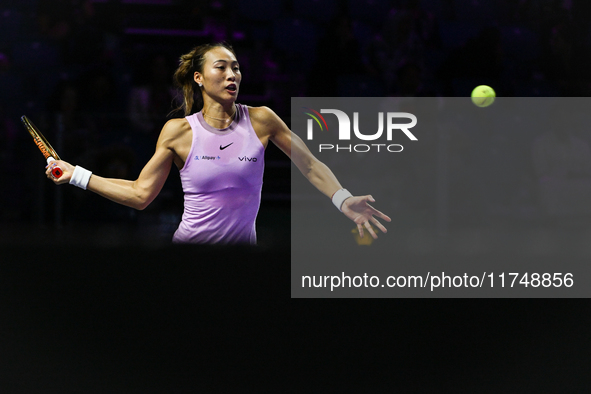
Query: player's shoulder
{"points": [[262, 113], [174, 129], [263, 117], [176, 125]]}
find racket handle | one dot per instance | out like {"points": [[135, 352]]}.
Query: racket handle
{"points": [[55, 171]]}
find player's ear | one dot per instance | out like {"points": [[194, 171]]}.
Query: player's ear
{"points": [[198, 78]]}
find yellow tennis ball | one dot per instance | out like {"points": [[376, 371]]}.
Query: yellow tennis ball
{"points": [[483, 96]]}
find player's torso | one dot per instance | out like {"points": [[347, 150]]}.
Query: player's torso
{"points": [[183, 144], [222, 159]]}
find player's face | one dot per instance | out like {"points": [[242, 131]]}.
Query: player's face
{"points": [[221, 74]]}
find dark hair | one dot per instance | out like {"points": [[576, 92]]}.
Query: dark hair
{"points": [[189, 63]]}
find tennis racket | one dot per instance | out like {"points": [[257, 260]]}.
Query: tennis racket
{"points": [[44, 146]]}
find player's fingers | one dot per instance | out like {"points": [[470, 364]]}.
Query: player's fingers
{"points": [[379, 213], [379, 225], [367, 199], [49, 171], [383, 216], [360, 229], [370, 229]]}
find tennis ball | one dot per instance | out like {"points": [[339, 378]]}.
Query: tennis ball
{"points": [[483, 96], [367, 238]]}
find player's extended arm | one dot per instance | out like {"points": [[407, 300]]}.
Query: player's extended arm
{"points": [[137, 194], [140, 193], [313, 169], [356, 208]]}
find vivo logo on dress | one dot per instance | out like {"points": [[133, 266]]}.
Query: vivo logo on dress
{"points": [[246, 158]]}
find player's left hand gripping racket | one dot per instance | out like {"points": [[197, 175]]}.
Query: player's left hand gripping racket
{"points": [[43, 145]]}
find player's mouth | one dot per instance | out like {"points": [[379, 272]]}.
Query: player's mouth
{"points": [[232, 88]]}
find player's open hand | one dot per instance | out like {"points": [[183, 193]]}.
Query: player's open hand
{"points": [[358, 210], [66, 168]]}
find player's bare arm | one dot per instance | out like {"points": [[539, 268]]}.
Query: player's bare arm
{"points": [[171, 147], [269, 126], [356, 208]]}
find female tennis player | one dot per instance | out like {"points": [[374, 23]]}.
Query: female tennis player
{"points": [[220, 155]]}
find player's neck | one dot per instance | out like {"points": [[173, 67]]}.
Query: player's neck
{"points": [[218, 115]]}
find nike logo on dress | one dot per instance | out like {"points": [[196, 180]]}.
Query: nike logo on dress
{"points": [[225, 146]]}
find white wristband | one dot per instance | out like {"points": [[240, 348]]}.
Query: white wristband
{"points": [[339, 197], [80, 177]]}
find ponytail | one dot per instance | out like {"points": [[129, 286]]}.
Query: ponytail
{"points": [[189, 63]]}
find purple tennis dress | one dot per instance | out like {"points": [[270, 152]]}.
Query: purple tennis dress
{"points": [[222, 180]]}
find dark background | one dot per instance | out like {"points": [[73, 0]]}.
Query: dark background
{"points": [[94, 299]]}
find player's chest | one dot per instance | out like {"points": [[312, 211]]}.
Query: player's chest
{"points": [[238, 149]]}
